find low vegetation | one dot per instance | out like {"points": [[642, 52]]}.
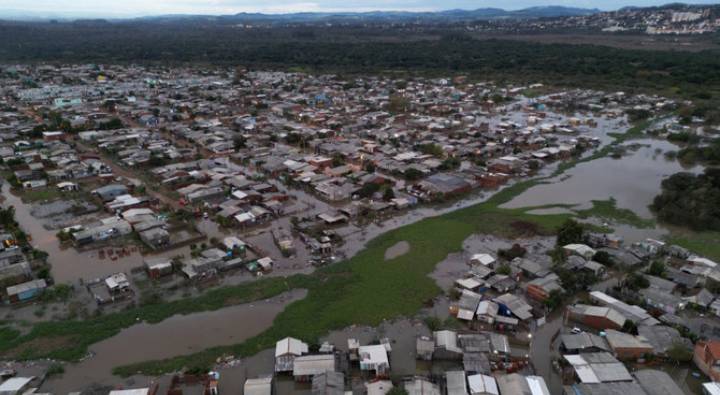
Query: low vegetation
{"points": [[608, 210]]}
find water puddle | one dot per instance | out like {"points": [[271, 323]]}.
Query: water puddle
{"points": [[399, 249]]}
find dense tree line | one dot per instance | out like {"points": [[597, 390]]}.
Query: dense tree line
{"points": [[690, 200], [354, 49]]}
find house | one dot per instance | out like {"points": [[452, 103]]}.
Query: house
{"points": [[374, 358], [445, 184], [110, 192], [582, 342], [155, 238], [487, 311], [634, 313], [509, 303], [657, 382], [25, 291], [581, 250], [67, 186], [455, 383], [482, 259], [540, 288], [159, 267], [662, 300], [258, 386], [596, 317], [481, 384], [446, 345], [328, 383], [286, 350], [599, 367], [707, 358], [626, 346], [378, 387], [476, 363], [16, 385], [117, 282], [307, 366], [108, 229], [421, 386], [424, 348], [614, 388], [137, 391], [467, 304], [712, 388], [518, 384]]}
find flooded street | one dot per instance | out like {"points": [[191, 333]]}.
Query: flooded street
{"points": [[68, 264], [633, 180], [178, 335], [542, 349]]}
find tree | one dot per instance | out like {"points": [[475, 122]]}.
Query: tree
{"points": [[338, 160], [630, 327], [679, 353], [389, 194], [635, 281], [605, 258], [504, 270], [450, 163], [554, 299], [398, 104], [397, 391], [433, 323], [657, 268], [570, 232], [431, 149], [368, 190], [239, 142], [412, 174]]}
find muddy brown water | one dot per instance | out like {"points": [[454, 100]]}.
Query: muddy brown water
{"points": [[177, 335], [632, 180], [68, 264]]}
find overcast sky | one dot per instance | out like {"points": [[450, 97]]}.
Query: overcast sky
{"points": [[109, 8]]}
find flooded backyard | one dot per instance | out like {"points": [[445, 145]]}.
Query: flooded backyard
{"points": [[177, 335]]}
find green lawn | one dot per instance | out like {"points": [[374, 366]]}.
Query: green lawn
{"points": [[36, 195]]}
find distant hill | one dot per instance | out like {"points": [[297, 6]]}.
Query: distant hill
{"points": [[304, 17]]}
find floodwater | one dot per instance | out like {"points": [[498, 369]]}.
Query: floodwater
{"points": [[455, 266], [68, 264], [632, 180], [542, 350], [399, 249], [402, 335], [177, 335]]}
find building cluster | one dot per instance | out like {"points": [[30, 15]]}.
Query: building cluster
{"points": [[111, 154], [256, 170]]}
